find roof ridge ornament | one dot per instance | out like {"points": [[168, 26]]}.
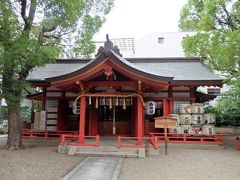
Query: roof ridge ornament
{"points": [[108, 45]]}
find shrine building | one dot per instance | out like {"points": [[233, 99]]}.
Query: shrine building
{"points": [[109, 95]]}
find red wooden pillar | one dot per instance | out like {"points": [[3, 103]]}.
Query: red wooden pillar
{"points": [[140, 128], [82, 119], [170, 106], [170, 95], [44, 99], [165, 107]]}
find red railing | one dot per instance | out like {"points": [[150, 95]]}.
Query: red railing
{"points": [[76, 140], [153, 141], [45, 134], [138, 142], [190, 138]]}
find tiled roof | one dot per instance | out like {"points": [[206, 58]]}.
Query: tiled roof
{"points": [[181, 69], [191, 70]]}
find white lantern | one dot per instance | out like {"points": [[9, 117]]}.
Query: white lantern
{"points": [[76, 108], [150, 107]]}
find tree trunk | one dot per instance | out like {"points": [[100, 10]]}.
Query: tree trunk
{"points": [[14, 140]]}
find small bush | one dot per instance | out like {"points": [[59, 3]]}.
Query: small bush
{"points": [[3, 131]]}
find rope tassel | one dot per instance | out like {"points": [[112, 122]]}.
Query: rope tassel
{"points": [[104, 101], [96, 105], [90, 100], [110, 103], [124, 103]]}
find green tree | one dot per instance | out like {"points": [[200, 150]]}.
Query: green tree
{"points": [[35, 32], [217, 41]]}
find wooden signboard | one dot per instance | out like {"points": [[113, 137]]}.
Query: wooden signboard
{"points": [[165, 122]]}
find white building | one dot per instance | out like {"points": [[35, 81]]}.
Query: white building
{"points": [[159, 45], [166, 44]]}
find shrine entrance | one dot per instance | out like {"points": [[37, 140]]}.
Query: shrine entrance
{"points": [[114, 121], [112, 114]]}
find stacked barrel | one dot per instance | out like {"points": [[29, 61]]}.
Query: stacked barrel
{"points": [[192, 120]]}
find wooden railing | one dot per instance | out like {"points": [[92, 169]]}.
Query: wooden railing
{"points": [[153, 141], [76, 140], [190, 138], [45, 134], [138, 142]]}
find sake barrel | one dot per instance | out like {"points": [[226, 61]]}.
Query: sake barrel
{"points": [[185, 119], [175, 130], [208, 129], [209, 118], [51, 128], [197, 119], [186, 129], [185, 108], [176, 116], [197, 108], [197, 129]]}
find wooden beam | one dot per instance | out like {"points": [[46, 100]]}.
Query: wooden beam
{"points": [[82, 88], [174, 98], [139, 89], [111, 84], [196, 83]]}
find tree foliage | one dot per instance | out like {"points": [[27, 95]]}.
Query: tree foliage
{"points": [[217, 40], [34, 32], [229, 105]]}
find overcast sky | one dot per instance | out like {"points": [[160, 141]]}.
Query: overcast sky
{"points": [[139, 18]]}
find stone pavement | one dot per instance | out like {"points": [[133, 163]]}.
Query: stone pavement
{"points": [[3, 136], [96, 168]]}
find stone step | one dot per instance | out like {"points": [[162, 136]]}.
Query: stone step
{"points": [[106, 149], [107, 154]]}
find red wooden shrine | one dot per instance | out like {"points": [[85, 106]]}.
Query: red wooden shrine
{"points": [[111, 92]]}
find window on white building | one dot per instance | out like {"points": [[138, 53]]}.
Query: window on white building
{"points": [[160, 40], [214, 91], [177, 104]]}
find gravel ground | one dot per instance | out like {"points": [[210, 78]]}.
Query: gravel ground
{"points": [[183, 163], [38, 161]]}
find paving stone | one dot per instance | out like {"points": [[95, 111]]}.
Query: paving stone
{"points": [[96, 168]]}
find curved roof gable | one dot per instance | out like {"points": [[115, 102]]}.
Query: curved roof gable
{"points": [[119, 62]]}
